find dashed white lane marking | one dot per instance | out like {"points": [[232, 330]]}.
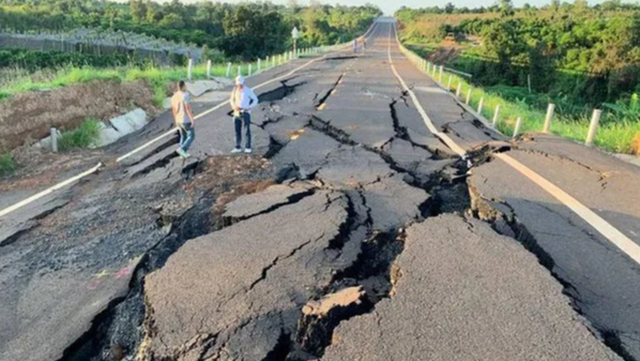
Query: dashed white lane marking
{"points": [[624, 243]]}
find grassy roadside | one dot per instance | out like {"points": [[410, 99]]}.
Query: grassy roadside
{"points": [[81, 137], [616, 133], [7, 164], [15, 81]]}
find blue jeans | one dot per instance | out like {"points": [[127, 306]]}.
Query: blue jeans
{"points": [[246, 119], [187, 135]]}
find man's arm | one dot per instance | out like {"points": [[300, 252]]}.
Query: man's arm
{"points": [[254, 99], [174, 111], [232, 101], [187, 108]]}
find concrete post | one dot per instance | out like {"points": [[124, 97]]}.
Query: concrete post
{"points": [[548, 118], [516, 130], [458, 90], [190, 69], [266, 62], [480, 105], [54, 139], [208, 69], [428, 67], [593, 127], [249, 73], [228, 70], [259, 65], [496, 115], [440, 76], [468, 99], [239, 70], [449, 83]]}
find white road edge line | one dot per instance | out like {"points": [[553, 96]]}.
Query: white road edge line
{"points": [[53, 188], [432, 128], [624, 243], [173, 130], [48, 191], [619, 239]]}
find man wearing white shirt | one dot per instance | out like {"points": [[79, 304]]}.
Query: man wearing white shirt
{"points": [[243, 99]]}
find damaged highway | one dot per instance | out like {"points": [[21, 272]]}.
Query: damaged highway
{"points": [[353, 234]]}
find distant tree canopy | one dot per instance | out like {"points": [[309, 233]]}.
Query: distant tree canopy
{"points": [[245, 30], [567, 48]]}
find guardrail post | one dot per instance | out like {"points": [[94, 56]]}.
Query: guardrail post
{"points": [[548, 118], [259, 65], [239, 70], [516, 130], [449, 83], [249, 72], [496, 114], [593, 127], [228, 70], [190, 69], [468, 96], [208, 69], [480, 105], [459, 89], [440, 76], [54, 139]]}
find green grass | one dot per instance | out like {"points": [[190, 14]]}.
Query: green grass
{"points": [[15, 81], [7, 164], [83, 136], [615, 134]]}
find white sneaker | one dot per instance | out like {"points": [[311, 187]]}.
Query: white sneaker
{"points": [[182, 153], [236, 150], [248, 150]]}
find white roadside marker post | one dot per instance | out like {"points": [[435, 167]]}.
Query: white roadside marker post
{"points": [[208, 69], [516, 130], [458, 90], [548, 118], [480, 105], [496, 115], [54, 139], [190, 69], [468, 99], [593, 127], [228, 70]]}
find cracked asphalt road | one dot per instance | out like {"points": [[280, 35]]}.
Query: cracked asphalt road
{"points": [[350, 206]]}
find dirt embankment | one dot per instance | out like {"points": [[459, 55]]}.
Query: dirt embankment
{"points": [[444, 54], [29, 116]]}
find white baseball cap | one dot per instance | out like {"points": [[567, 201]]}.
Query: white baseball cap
{"points": [[239, 80]]}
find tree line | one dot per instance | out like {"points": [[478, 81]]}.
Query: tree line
{"points": [[246, 30], [570, 50]]}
